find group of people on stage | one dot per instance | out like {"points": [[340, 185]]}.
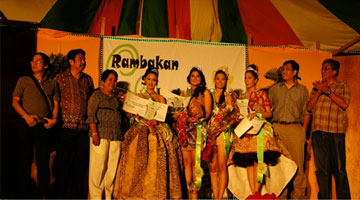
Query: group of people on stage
{"points": [[104, 152]]}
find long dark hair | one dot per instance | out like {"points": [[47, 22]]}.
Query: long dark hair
{"points": [[222, 97], [202, 87]]}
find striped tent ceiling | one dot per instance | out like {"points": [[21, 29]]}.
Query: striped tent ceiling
{"points": [[300, 23]]}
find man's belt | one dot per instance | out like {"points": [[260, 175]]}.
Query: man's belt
{"points": [[286, 123]]}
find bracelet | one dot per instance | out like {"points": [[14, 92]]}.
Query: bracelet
{"points": [[94, 133]]}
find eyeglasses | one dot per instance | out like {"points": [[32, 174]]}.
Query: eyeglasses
{"points": [[285, 69], [36, 61]]}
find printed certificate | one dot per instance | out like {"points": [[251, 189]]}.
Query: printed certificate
{"points": [[174, 100], [243, 106], [146, 108], [249, 126]]}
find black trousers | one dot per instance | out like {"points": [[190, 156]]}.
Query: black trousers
{"points": [[330, 159], [28, 138], [72, 163]]}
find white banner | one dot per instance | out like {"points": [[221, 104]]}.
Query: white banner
{"points": [[130, 57]]}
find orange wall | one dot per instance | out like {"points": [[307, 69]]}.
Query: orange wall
{"points": [[350, 72], [51, 41]]}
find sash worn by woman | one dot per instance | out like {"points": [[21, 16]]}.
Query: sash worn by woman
{"points": [[191, 128], [219, 133], [151, 164]]}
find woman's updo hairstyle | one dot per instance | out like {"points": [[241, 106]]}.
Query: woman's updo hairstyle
{"points": [[253, 69], [150, 70]]}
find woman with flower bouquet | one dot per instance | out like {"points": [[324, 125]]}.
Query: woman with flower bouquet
{"points": [[219, 134], [262, 162], [191, 128]]}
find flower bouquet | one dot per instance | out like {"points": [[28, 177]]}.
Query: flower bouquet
{"points": [[218, 124], [187, 120]]}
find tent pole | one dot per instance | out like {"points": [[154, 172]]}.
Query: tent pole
{"points": [[102, 30], [317, 44], [249, 39], [347, 45]]}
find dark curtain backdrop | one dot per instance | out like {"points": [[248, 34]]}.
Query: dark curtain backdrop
{"points": [[18, 43]]}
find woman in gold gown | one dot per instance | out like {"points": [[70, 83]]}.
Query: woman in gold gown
{"points": [[151, 164]]}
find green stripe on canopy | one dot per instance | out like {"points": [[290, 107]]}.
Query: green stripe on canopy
{"points": [[129, 14], [155, 19], [231, 24], [73, 16]]}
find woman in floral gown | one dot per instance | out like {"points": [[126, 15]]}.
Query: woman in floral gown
{"points": [[151, 164], [254, 157], [219, 134], [190, 124]]}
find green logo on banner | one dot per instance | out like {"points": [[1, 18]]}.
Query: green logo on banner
{"points": [[125, 48]]}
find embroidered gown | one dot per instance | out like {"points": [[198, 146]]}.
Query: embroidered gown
{"points": [[244, 152], [151, 164]]}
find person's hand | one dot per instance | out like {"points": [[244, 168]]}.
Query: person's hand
{"points": [[321, 86], [121, 96], [222, 129], [50, 122], [176, 114], [252, 115], [96, 140], [193, 119], [151, 122], [31, 120]]}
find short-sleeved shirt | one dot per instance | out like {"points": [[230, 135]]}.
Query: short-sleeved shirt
{"points": [[33, 102], [327, 115], [74, 97], [104, 111], [289, 104]]}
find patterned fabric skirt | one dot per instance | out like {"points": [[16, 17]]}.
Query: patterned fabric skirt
{"points": [[243, 153], [150, 166]]}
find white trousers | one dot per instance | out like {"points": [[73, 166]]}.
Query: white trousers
{"points": [[103, 163]]}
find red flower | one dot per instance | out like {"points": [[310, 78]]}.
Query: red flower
{"points": [[265, 196], [180, 127], [212, 133]]}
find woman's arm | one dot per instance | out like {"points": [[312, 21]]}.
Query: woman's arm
{"points": [[94, 134], [229, 101]]}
